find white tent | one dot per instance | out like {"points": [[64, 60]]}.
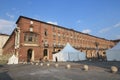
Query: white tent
{"points": [[13, 60], [68, 53], [113, 54]]}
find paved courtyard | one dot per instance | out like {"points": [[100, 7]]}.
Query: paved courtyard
{"points": [[97, 71]]}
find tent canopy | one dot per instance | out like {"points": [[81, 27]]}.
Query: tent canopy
{"points": [[13, 60], [68, 53], [116, 47], [113, 54]]}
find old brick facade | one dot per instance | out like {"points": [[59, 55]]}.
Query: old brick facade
{"points": [[33, 40]]}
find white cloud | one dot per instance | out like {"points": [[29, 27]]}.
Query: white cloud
{"points": [[104, 30], [16, 12], [86, 31], [6, 26], [117, 36], [52, 22], [117, 25], [109, 28], [9, 15]]}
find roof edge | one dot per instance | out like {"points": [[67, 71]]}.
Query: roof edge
{"points": [[4, 34], [59, 27]]}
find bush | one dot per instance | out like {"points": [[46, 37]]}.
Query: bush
{"points": [[4, 58]]}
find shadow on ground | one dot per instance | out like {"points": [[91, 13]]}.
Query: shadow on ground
{"points": [[102, 64], [4, 73], [5, 76]]}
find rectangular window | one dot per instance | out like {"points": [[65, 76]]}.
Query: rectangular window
{"points": [[45, 32], [53, 28], [54, 35], [30, 37]]}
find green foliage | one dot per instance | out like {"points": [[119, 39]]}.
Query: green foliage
{"points": [[4, 58]]}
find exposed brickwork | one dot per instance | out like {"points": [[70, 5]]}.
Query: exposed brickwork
{"points": [[52, 38], [8, 48]]}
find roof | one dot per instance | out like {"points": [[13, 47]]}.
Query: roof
{"points": [[57, 26], [9, 38], [116, 47], [117, 40], [4, 34]]}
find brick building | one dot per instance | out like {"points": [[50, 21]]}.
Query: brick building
{"points": [[33, 40]]}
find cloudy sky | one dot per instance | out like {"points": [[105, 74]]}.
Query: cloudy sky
{"points": [[100, 18]]}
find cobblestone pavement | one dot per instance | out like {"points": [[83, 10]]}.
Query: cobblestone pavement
{"points": [[97, 71]]}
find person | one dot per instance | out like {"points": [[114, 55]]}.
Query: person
{"points": [[56, 59]]}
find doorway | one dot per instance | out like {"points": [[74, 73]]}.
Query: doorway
{"points": [[45, 54], [29, 55]]}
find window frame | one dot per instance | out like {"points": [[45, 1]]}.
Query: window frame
{"points": [[30, 37]]}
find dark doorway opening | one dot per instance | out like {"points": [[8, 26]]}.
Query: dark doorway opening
{"points": [[45, 52], [29, 55]]}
